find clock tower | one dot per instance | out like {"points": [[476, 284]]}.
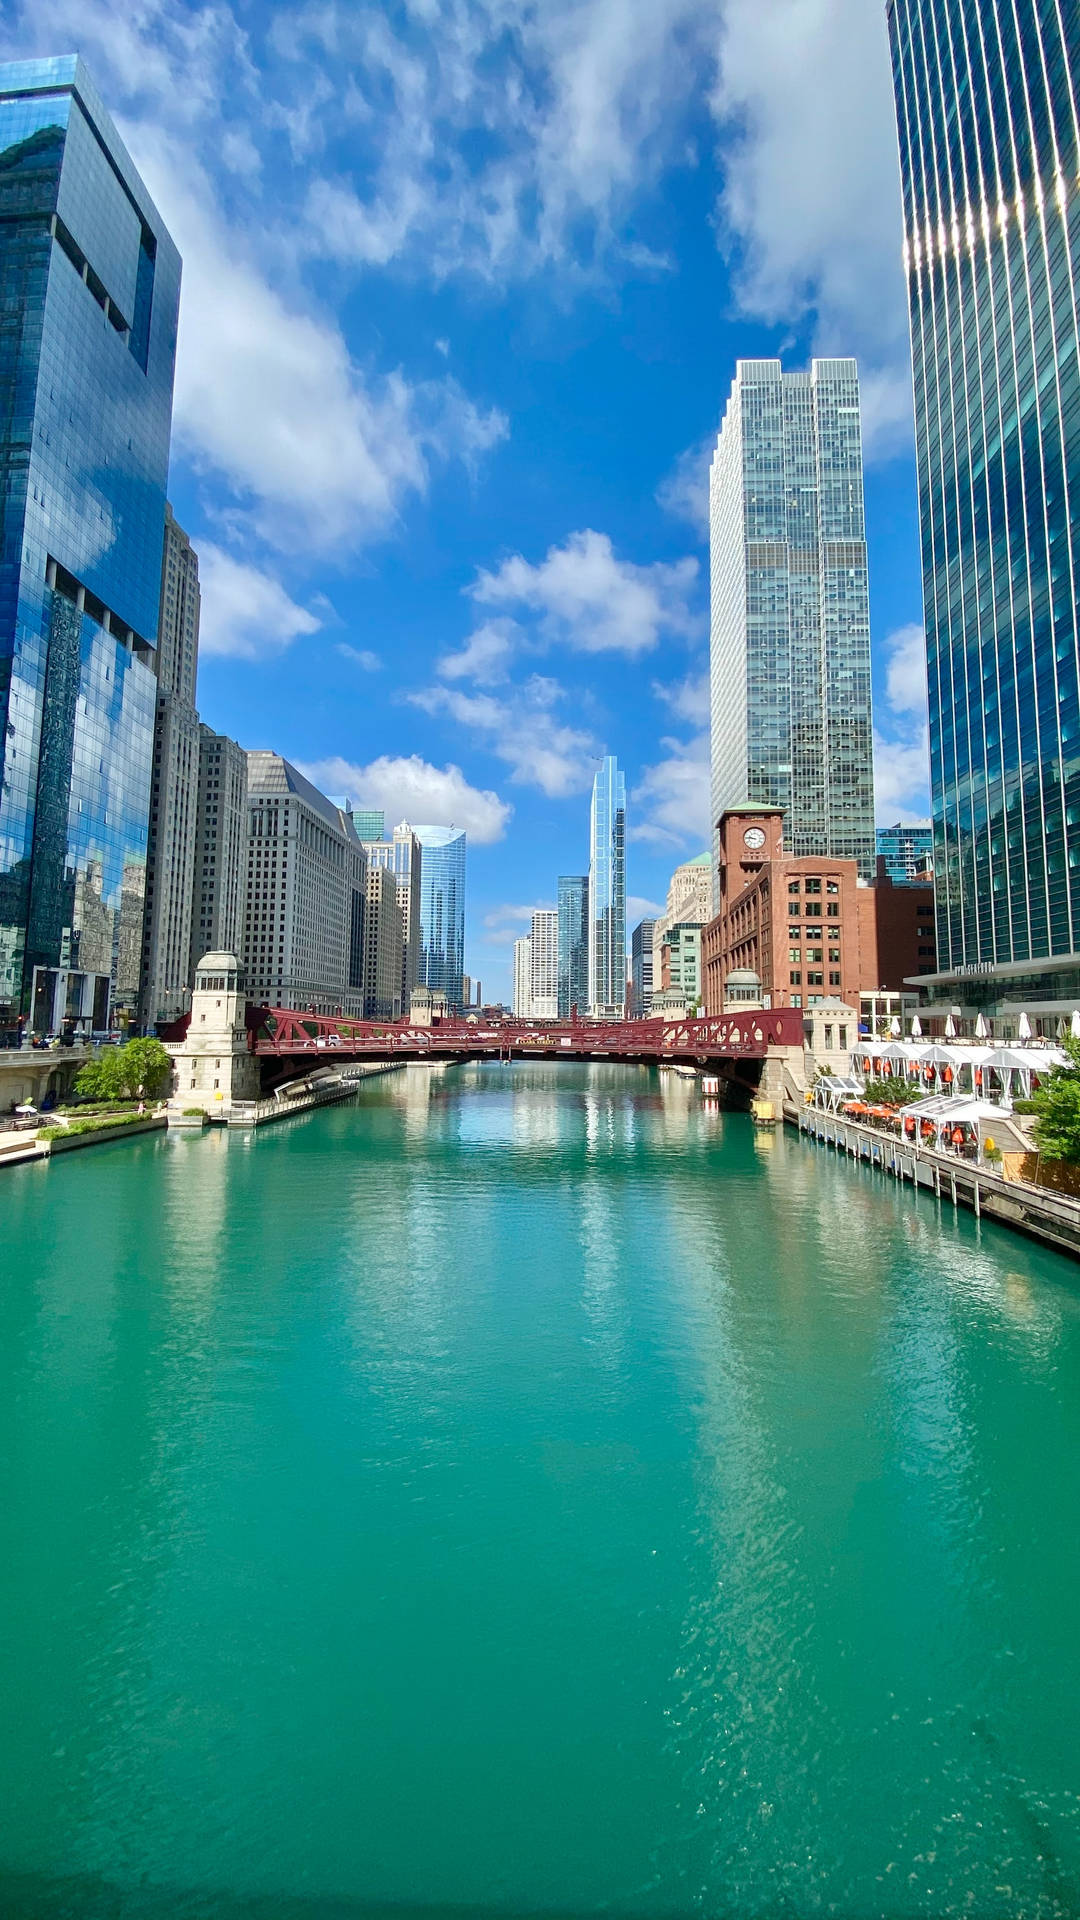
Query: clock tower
{"points": [[748, 838]]}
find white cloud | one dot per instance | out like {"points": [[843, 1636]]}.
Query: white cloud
{"points": [[687, 699], [484, 656], [361, 657], [684, 492], [670, 804], [901, 745], [503, 925], [409, 788], [588, 599], [810, 207], [638, 908], [523, 729], [245, 612]]}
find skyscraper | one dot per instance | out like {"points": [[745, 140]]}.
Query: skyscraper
{"points": [[573, 898], [402, 856], [607, 892], [790, 700], [987, 97], [641, 970], [442, 911], [369, 822], [174, 795], [303, 944], [89, 288], [544, 962], [523, 977], [904, 849], [221, 849]]}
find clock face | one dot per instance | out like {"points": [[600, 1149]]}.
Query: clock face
{"points": [[754, 837]]}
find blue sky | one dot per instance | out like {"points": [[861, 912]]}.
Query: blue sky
{"points": [[464, 286]]}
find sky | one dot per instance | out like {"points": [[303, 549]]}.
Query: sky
{"points": [[465, 282]]}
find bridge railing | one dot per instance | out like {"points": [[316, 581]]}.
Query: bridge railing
{"points": [[745, 1034]]}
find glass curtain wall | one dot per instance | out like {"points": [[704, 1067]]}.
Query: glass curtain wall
{"points": [[573, 898], [607, 893], [442, 911], [987, 100]]}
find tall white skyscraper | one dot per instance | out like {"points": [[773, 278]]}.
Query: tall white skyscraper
{"points": [[544, 963], [791, 714], [607, 893], [523, 977]]}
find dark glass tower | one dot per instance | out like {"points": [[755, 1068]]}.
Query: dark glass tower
{"points": [[987, 95], [573, 943], [89, 289], [442, 911]]}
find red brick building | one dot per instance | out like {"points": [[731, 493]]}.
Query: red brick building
{"points": [[808, 927]]}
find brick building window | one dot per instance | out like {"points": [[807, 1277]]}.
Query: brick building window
{"points": [[796, 980], [815, 979], [834, 979]]}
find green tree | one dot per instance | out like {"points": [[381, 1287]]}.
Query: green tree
{"points": [[136, 1071], [890, 1092], [1057, 1107]]}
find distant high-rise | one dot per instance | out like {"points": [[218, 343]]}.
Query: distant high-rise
{"points": [[987, 98], [790, 702], [166, 970], [607, 893], [523, 977], [221, 849], [369, 822], [383, 945], [442, 911], [91, 284], [905, 850], [573, 897], [544, 960], [641, 970], [402, 856], [303, 942]]}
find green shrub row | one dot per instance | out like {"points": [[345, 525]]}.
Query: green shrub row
{"points": [[101, 1124]]}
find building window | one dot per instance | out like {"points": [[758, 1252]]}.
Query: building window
{"points": [[834, 953], [832, 910], [796, 980], [796, 999], [815, 979], [834, 979], [794, 955], [832, 886], [813, 886], [813, 908], [793, 886]]}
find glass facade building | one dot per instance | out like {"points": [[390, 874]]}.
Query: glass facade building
{"points": [[89, 291], [904, 849], [790, 610], [573, 909], [442, 911], [607, 893], [987, 97], [641, 969]]}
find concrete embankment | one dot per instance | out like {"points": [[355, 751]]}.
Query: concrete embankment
{"points": [[305, 1097], [1047, 1216]]}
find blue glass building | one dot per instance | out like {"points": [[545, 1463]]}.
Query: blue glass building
{"points": [[987, 100], [89, 291], [573, 902], [442, 911], [904, 849], [607, 893]]}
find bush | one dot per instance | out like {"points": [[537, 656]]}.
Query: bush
{"points": [[1025, 1106], [891, 1092], [136, 1071], [193, 1113], [98, 1123]]}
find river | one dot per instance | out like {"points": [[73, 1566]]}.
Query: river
{"points": [[524, 1490]]}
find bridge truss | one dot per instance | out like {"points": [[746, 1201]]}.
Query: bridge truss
{"points": [[285, 1034]]}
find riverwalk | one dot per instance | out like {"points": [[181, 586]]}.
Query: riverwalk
{"points": [[1051, 1217]]}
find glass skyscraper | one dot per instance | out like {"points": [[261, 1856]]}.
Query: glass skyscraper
{"points": [[607, 892], [987, 96], [573, 899], [89, 290], [904, 849], [442, 911], [790, 621]]}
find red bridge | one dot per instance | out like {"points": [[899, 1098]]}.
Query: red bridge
{"points": [[748, 1035]]}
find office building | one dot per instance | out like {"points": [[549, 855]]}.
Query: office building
{"points": [[90, 287], [573, 898], [523, 977], [166, 969], [369, 823], [607, 893], [811, 930], [466, 990], [478, 993], [688, 903], [987, 98], [442, 911], [790, 620], [678, 990], [221, 849], [402, 856], [906, 851], [641, 970], [303, 943], [544, 962], [383, 946]]}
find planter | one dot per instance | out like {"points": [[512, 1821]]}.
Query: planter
{"points": [[97, 1136]]}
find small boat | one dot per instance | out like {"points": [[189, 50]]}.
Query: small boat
{"points": [[710, 1086]]}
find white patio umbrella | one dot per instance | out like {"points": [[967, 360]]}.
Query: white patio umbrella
{"points": [[1024, 1027], [982, 1028], [1074, 1023], [1060, 1029], [894, 1027], [26, 1108], [916, 1026], [950, 1028]]}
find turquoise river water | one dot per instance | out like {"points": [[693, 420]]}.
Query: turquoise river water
{"points": [[524, 1491]]}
